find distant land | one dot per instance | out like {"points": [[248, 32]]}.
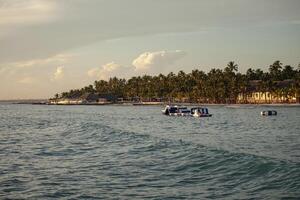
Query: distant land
{"points": [[24, 101], [281, 84]]}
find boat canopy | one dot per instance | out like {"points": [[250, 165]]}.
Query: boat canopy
{"points": [[199, 109]]}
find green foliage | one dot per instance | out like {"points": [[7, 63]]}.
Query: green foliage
{"points": [[216, 86]]}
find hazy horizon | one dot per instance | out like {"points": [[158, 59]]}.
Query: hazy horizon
{"points": [[48, 47]]}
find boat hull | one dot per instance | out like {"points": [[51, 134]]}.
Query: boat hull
{"points": [[207, 115], [183, 111]]}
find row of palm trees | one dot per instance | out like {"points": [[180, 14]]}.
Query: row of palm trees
{"points": [[216, 86]]}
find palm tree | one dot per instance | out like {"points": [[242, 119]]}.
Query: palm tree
{"points": [[217, 86], [230, 81], [288, 72], [275, 70], [231, 67], [259, 74]]}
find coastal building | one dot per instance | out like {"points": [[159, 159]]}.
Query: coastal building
{"points": [[257, 93], [70, 101], [88, 98]]}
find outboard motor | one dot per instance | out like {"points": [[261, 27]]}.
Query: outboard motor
{"points": [[167, 111]]}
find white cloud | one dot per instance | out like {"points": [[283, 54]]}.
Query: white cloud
{"points": [[26, 12], [7, 71], [59, 73], [95, 72], [56, 59], [148, 62], [109, 70], [112, 66], [152, 61], [26, 80], [15, 69]]}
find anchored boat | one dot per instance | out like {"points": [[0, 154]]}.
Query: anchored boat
{"points": [[268, 112], [200, 112], [176, 111], [184, 111]]}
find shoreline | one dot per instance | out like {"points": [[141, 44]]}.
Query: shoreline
{"points": [[236, 105]]}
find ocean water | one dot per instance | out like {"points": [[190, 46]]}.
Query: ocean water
{"points": [[135, 152]]}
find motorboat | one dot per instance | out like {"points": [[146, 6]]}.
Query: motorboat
{"points": [[268, 112], [176, 111], [184, 111], [200, 112]]}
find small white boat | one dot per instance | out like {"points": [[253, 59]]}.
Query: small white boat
{"points": [[200, 112], [268, 112]]}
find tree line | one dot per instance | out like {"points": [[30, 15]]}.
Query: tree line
{"points": [[216, 86]]}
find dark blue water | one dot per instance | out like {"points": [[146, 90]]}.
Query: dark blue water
{"points": [[128, 152]]}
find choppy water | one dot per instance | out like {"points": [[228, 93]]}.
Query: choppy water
{"points": [[119, 152]]}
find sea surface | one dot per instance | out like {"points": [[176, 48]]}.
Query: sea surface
{"points": [[135, 152]]}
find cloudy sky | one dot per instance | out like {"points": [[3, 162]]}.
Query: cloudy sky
{"points": [[50, 46]]}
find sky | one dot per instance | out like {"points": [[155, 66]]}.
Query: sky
{"points": [[51, 46]]}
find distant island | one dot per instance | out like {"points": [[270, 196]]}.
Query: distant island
{"points": [[281, 84]]}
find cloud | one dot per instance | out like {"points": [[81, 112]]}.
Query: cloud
{"points": [[26, 80], [25, 12], [7, 71], [109, 70], [41, 66], [59, 73], [56, 59], [150, 61], [95, 72], [112, 66], [80, 23]]}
